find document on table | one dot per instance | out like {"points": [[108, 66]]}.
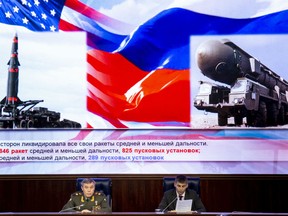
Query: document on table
{"points": [[183, 205]]}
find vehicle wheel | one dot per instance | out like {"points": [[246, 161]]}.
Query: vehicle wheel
{"points": [[222, 119], [67, 125], [272, 118], [281, 116], [250, 118], [23, 124], [56, 125], [30, 124], [261, 115], [8, 124], [238, 120]]}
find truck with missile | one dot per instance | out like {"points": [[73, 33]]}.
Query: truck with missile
{"points": [[242, 87], [15, 113]]}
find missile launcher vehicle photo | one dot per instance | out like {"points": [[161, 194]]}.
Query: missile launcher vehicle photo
{"points": [[245, 87]]}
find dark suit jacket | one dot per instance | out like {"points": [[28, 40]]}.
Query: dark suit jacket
{"points": [[170, 195]]}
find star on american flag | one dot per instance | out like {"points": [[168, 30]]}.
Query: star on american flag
{"points": [[36, 15]]}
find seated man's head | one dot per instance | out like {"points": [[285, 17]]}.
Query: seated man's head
{"points": [[88, 187], [180, 184]]}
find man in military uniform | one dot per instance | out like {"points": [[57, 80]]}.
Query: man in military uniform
{"points": [[88, 200]]}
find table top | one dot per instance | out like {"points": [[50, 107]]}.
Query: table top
{"points": [[146, 213]]}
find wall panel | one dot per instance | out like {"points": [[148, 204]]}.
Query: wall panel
{"points": [[48, 193]]}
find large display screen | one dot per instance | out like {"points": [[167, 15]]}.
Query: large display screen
{"points": [[144, 151], [140, 87]]}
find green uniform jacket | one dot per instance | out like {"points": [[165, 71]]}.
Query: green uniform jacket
{"points": [[78, 202]]}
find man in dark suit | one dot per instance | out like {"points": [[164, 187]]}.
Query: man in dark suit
{"points": [[181, 191], [87, 200]]}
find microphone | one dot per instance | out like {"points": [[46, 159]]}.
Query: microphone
{"points": [[169, 204], [68, 209]]}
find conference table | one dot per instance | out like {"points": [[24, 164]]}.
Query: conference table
{"points": [[141, 213]]}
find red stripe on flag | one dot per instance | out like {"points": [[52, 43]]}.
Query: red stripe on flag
{"points": [[66, 26], [94, 14], [98, 107], [85, 10], [164, 95], [113, 70], [158, 97]]}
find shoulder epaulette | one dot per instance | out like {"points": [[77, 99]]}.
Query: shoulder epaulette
{"points": [[77, 193], [98, 193]]}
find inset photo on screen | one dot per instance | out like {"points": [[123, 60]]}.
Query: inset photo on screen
{"points": [[43, 80], [239, 81]]}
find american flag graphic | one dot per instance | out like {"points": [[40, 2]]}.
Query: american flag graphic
{"points": [[35, 15]]}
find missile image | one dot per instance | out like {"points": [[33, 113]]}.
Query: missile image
{"points": [[225, 62], [11, 100], [250, 89], [13, 76], [15, 113]]}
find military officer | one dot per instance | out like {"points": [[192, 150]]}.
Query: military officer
{"points": [[88, 200]]}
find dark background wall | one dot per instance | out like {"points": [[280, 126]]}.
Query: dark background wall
{"points": [[136, 193]]}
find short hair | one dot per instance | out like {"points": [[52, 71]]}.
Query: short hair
{"points": [[181, 179], [88, 181]]}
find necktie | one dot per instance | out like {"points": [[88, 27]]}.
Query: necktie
{"points": [[180, 197]]}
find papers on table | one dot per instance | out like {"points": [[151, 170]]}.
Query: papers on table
{"points": [[183, 205]]}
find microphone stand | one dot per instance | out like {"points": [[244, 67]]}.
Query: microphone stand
{"points": [[169, 204], [68, 209]]}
